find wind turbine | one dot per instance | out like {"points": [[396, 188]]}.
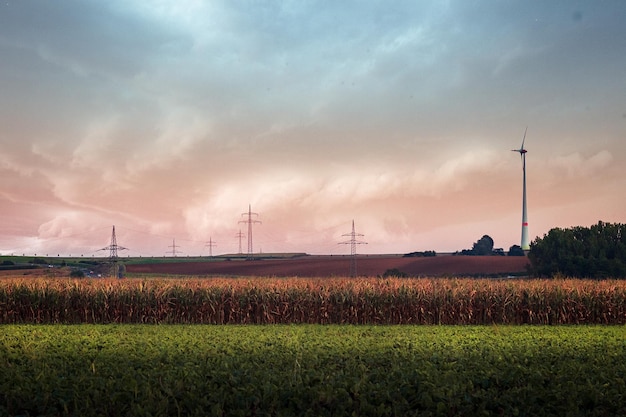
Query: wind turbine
{"points": [[522, 153]]}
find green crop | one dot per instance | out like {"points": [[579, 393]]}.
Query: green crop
{"points": [[192, 370]]}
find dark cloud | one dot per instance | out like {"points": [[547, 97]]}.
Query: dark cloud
{"points": [[174, 116]]}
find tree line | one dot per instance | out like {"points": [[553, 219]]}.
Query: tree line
{"points": [[598, 251], [484, 247]]}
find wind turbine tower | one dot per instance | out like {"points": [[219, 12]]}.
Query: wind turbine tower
{"points": [[522, 152]]}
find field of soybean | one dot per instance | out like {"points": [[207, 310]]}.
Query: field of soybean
{"points": [[332, 370]]}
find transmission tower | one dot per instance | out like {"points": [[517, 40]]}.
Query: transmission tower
{"points": [[174, 252], [210, 245], [353, 242], [240, 235], [250, 221], [113, 248]]}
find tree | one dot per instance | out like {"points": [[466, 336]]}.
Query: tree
{"points": [[483, 247], [424, 254], [598, 251], [516, 250]]}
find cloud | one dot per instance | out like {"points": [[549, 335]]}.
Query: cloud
{"points": [[171, 117], [575, 166]]}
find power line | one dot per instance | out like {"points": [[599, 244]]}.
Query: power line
{"points": [[353, 242], [250, 221]]}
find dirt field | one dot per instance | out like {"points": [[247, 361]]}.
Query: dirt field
{"points": [[326, 266]]}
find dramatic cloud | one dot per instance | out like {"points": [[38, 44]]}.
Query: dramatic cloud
{"points": [[168, 119]]}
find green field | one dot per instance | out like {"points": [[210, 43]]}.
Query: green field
{"points": [[198, 370], [86, 260]]}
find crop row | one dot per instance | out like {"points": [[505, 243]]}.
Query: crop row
{"points": [[191, 370], [314, 301]]}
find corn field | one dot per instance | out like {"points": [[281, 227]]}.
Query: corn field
{"points": [[313, 301]]}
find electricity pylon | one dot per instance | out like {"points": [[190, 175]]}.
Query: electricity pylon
{"points": [[240, 235], [210, 244], [174, 252], [250, 221], [113, 248], [353, 242]]}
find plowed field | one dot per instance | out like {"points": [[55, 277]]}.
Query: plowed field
{"points": [[326, 266]]}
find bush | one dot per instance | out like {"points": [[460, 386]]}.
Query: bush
{"points": [[77, 273], [516, 250], [39, 261], [394, 273]]}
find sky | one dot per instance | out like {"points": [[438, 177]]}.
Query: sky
{"points": [[169, 119]]}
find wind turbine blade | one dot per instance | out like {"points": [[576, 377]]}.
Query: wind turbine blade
{"points": [[524, 139]]}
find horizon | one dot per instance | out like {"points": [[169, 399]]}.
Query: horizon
{"points": [[342, 249], [398, 116]]}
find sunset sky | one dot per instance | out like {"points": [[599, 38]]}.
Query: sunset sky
{"points": [[168, 118]]}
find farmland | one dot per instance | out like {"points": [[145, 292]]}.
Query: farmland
{"points": [[311, 346], [312, 301], [286, 265], [327, 266], [192, 370]]}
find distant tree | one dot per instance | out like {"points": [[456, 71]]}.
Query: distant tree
{"points": [[425, 254], [38, 261], [484, 246], [598, 251], [516, 250]]}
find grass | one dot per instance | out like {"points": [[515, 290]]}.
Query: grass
{"points": [[131, 260]]}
